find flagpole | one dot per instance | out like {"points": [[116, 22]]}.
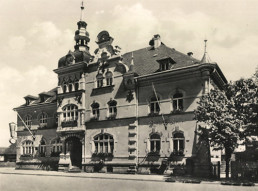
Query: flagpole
{"points": [[25, 125], [164, 122]]}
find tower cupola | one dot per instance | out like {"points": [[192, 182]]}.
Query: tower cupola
{"points": [[82, 37]]}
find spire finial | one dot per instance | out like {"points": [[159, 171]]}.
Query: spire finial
{"points": [[205, 46], [131, 68], [82, 8]]}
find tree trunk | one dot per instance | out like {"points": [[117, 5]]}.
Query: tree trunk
{"points": [[228, 154]]}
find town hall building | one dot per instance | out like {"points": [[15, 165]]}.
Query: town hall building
{"points": [[118, 112]]}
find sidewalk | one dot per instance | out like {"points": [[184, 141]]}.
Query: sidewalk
{"points": [[132, 177]]}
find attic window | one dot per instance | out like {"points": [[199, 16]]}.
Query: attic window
{"points": [[164, 66], [165, 63]]}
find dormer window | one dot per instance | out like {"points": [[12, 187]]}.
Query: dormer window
{"points": [[165, 63], [164, 66]]}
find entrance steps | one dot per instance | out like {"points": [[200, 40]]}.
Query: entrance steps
{"points": [[132, 170], [74, 169]]}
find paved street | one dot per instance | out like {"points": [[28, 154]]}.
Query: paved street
{"points": [[48, 181]]}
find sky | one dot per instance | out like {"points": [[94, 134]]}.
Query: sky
{"points": [[34, 34]]}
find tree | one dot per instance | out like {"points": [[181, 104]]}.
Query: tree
{"points": [[229, 116]]}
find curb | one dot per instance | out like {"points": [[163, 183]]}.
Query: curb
{"points": [[76, 176]]}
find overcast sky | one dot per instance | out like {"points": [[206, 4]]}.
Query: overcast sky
{"points": [[34, 34]]}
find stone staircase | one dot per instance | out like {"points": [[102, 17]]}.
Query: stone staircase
{"points": [[74, 169], [132, 170]]}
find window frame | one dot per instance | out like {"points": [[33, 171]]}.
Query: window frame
{"points": [[154, 147], [112, 108], [154, 105], [103, 145], [28, 120], [180, 143], [69, 113], [100, 80], [109, 78], [28, 147], [176, 101], [43, 118]]}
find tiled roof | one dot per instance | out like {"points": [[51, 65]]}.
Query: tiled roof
{"points": [[146, 59], [8, 150], [52, 98], [31, 97]]}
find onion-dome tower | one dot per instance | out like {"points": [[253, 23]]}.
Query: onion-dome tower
{"points": [[81, 50]]}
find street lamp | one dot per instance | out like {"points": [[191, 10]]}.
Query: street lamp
{"points": [[13, 134]]}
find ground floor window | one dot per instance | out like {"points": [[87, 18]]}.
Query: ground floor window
{"points": [[104, 143], [28, 148], [56, 147], [42, 148], [179, 143], [155, 143]]}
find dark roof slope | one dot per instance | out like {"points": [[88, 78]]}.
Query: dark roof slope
{"points": [[51, 94], [145, 60]]}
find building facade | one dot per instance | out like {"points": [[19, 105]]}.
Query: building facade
{"points": [[121, 113]]}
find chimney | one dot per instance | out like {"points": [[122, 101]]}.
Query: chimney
{"points": [[190, 54], [157, 41]]}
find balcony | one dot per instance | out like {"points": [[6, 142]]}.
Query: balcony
{"points": [[69, 123]]}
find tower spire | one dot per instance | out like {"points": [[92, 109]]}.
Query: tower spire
{"points": [[131, 68], [205, 58], [82, 8], [205, 46]]}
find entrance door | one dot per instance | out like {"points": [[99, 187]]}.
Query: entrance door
{"points": [[74, 146]]}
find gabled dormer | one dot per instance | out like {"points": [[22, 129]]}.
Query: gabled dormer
{"points": [[165, 63], [29, 99]]}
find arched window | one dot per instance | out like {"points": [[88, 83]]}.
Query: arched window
{"points": [[56, 147], [28, 148], [99, 80], [179, 143], [43, 120], [155, 143], [178, 102], [76, 85], [95, 110], [65, 88], [112, 110], [70, 86], [28, 121], [70, 113], [42, 148], [109, 78], [154, 105], [104, 143]]}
